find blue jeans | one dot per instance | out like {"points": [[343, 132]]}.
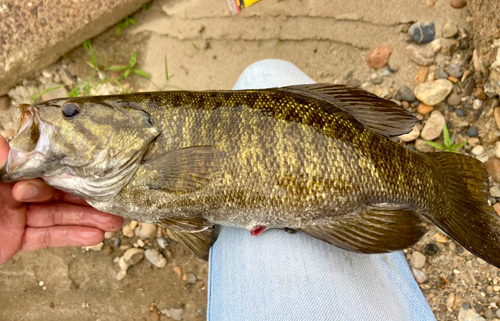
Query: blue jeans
{"points": [[281, 276]]}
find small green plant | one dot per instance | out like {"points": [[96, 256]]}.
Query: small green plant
{"points": [[448, 145], [130, 68], [124, 24], [278, 43], [35, 96], [168, 77]]}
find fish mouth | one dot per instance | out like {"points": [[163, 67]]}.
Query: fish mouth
{"points": [[29, 148]]}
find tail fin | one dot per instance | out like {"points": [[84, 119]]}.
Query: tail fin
{"points": [[466, 216]]}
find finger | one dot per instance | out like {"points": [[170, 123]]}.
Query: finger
{"points": [[51, 214], [55, 236], [36, 190]]}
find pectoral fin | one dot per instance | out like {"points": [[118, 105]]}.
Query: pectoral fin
{"points": [[195, 233], [378, 229], [182, 170]]}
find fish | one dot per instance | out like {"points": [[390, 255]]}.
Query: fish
{"points": [[315, 158]]}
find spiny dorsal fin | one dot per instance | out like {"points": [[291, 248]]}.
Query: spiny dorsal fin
{"points": [[379, 229], [195, 233], [377, 114], [182, 170]]}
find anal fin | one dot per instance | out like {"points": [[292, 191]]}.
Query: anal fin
{"points": [[378, 229], [197, 234]]}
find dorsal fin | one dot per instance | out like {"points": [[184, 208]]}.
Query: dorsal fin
{"points": [[376, 114]]}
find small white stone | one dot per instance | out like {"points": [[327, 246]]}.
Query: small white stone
{"points": [[147, 231], [477, 104], [46, 74], [97, 247], [473, 141], [122, 264], [434, 126], [497, 149], [411, 136], [109, 235], [133, 224], [141, 243], [417, 260], [422, 146], [41, 283], [436, 45], [477, 150], [120, 275], [156, 258]]}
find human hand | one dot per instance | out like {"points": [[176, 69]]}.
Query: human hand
{"points": [[34, 216]]}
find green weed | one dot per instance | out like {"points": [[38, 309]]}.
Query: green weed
{"points": [[124, 24], [448, 145]]}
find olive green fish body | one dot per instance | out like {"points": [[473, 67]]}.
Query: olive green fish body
{"points": [[314, 158]]}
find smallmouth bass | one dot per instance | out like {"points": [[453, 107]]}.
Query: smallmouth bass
{"points": [[314, 158]]}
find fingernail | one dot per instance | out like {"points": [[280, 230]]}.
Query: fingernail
{"points": [[29, 191]]}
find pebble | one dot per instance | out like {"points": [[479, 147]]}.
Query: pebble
{"points": [[449, 301], [97, 247], [469, 87], [191, 278], [453, 79], [449, 46], [421, 55], [133, 224], [431, 249], [478, 307], [133, 256], [117, 242], [177, 270], [458, 4], [421, 74], [147, 231], [417, 260], [468, 315], [387, 71], [419, 276], [460, 112], [496, 114], [353, 83], [67, 77], [454, 100], [127, 231], [477, 150], [422, 146], [424, 109], [473, 141], [498, 313], [434, 126], [162, 242], [122, 264], [432, 93], [422, 32], [348, 74], [441, 74], [172, 313], [472, 132], [495, 191], [440, 238], [449, 30], [480, 94], [493, 168], [476, 105], [141, 243], [496, 149], [379, 56], [156, 258], [436, 45], [454, 70], [488, 314], [120, 275], [411, 136], [405, 93]]}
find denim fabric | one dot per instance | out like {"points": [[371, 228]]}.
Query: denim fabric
{"points": [[281, 276]]}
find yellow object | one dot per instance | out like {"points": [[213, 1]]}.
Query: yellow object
{"points": [[236, 5]]}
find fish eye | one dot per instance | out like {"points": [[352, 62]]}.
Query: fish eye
{"points": [[70, 110]]}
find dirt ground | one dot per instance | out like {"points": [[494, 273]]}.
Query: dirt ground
{"points": [[207, 48]]}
